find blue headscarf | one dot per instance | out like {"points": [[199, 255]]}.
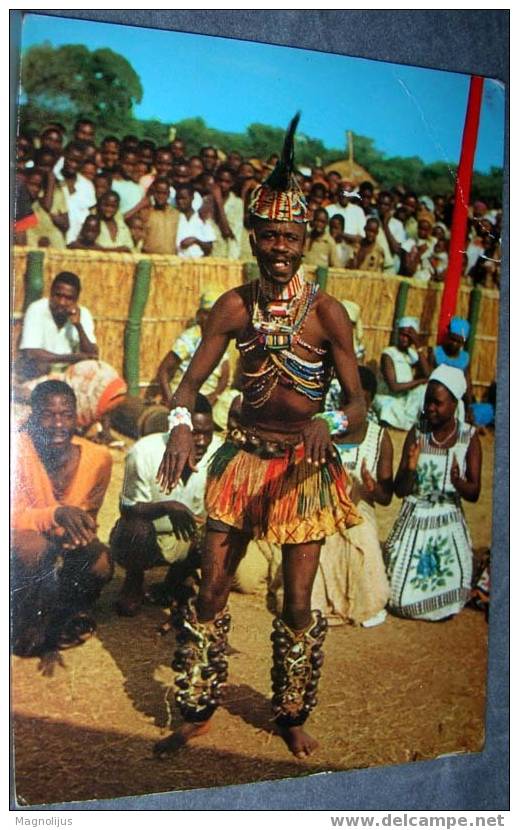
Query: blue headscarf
{"points": [[459, 326]]}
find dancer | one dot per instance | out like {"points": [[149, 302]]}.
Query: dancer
{"points": [[277, 477]]}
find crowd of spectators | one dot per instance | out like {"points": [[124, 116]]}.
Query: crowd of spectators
{"points": [[129, 195]]}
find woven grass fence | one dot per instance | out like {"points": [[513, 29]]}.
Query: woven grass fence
{"points": [[174, 287]]}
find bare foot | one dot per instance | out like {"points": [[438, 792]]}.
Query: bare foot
{"points": [[185, 733], [298, 741]]}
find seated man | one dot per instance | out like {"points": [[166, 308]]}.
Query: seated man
{"points": [[59, 564], [173, 367], [157, 527], [58, 341]]}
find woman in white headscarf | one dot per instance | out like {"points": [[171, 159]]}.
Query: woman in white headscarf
{"points": [[429, 550], [404, 369]]}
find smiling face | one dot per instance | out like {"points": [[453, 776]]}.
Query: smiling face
{"points": [[54, 423], [278, 247], [160, 191], [110, 154], [34, 183], [108, 206], [440, 405]]}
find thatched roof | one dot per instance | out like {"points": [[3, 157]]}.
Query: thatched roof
{"points": [[348, 168]]}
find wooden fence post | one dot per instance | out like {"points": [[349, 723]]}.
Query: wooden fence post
{"points": [[132, 334], [474, 307], [33, 277], [400, 305]]}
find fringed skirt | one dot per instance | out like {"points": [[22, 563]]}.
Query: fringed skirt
{"points": [[284, 500]]}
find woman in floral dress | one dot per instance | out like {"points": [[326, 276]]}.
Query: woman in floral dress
{"points": [[429, 550]]}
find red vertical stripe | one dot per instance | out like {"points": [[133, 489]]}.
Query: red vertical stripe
{"points": [[461, 204]]}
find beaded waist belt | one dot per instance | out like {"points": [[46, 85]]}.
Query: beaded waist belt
{"points": [[249, 441]]}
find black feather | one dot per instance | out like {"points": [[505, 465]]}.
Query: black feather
{"points": [[282, 175]]}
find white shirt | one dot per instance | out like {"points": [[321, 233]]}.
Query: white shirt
{"points": [[130, 193], [196, 204], [140, 483], [194, 226], [354, 218], [78, 204], [41, 332], [397, 231]]}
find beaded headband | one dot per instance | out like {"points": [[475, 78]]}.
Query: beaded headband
{"points": [[280, 198]]}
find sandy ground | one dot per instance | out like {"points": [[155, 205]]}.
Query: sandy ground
{"points": [[405, 691]]}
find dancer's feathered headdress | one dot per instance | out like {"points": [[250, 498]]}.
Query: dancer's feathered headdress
{"points": [[279, 198]]}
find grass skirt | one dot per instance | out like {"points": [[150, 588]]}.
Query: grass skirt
{"points": [[284, 500]]}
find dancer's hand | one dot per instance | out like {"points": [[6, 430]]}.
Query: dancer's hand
{"points": [[182, 520], [179, 452], [318, 442]]}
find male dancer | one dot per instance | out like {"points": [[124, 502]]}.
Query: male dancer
{"points": [[277, 476]]}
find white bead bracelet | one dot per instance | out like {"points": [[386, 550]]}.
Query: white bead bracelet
{"points": [[180, 415]]}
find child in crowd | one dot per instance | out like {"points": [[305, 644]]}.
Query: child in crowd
{"points": [[370, 255], [88, 236], [114, 232]]}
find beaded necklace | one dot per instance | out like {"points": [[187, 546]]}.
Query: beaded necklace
{"points": [[279, 320], [276, 333]]}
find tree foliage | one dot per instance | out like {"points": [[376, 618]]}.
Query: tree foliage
{"points": [[71, 81]]}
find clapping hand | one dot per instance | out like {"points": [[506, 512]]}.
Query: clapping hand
{"points": [[455, 473], [412, 455], [367, 479]]}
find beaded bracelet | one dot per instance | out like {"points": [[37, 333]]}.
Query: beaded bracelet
{"points": [[180, 415], [337, 421]]}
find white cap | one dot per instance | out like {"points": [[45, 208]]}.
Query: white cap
{"points": [[450, 377]]}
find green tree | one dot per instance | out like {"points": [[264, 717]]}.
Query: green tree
{"points": [[69, 81]]}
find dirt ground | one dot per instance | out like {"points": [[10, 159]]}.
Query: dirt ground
{"points": [[405, 691]]}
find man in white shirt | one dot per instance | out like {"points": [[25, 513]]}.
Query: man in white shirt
{"points": [[194, 237], [58, 342], [348, 206], [79, 193], [56, 330], [129, 191], [391, 233], [156, 526]]}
